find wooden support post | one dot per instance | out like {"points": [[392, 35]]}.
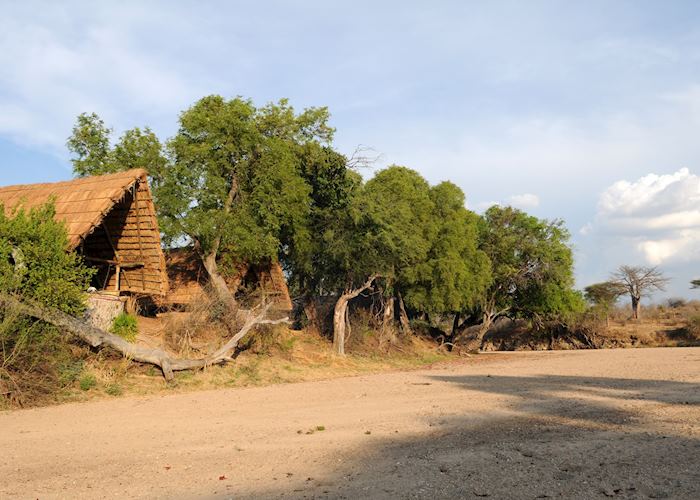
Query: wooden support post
{"points": [[138, 232], [116, 256]]}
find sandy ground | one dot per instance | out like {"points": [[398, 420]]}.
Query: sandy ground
{"points": [[581, 424]]}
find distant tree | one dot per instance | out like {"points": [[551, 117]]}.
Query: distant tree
{"points": [[639, 282], [94, 154], [603, 296], [695, 284], [532, 268]]}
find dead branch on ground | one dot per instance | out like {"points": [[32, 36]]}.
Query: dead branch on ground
{"points": [[97, 337]]}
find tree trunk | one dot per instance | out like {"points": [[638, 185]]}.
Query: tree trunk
{"points": [[636, 307], [221, 288], [96, 337], [311, 312], [218, 283], [455, 325], [340, 314], [476, 341], [403, 317], [388, 317]]}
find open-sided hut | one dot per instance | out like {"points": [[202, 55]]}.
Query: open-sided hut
{"points": [[111, 221]]}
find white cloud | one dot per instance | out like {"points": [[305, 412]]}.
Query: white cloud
{"points": [[659, 215], [525, 201], [59, 61]]}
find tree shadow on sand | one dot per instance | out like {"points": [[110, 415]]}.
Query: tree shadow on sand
{"points": [[556, 437]]}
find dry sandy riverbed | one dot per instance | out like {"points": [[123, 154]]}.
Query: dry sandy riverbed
{"points": [[581, 424]]}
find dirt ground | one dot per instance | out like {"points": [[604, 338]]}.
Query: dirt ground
{"points": [[572, 424]]}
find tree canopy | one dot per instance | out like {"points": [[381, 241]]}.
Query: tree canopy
{"points": [[454, 275], [249, 184], [93, 152], [531, 265]]}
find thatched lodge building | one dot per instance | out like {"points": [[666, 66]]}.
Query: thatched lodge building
{"points": [[111, 221]]}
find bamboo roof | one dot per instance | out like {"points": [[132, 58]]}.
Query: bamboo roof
{"points": [[81, 204]]}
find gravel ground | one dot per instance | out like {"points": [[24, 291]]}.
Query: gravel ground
{"points": [[576, 424]]}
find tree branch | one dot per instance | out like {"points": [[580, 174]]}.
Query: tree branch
{"points": [[97, 337]]}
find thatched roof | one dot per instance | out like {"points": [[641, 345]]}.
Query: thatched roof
{"points": [[81, 203]]}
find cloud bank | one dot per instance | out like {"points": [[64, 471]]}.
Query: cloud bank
{"points": [[660, 213]]}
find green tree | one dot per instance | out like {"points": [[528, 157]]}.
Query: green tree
{"points": [[456, 273], [397, 200], [313, 267], [603, 296], [695, 284], [36, 266], [532, 267], [90, 145], [234, 187], [94, 154]]}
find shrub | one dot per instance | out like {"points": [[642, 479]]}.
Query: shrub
{"points": [[126, 326], [87, 382], [35, 265], [694, 326], [114, 389], [676, 302]]}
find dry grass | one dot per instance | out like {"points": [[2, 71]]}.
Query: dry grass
{"points": [[275, 356], [271, 355]]}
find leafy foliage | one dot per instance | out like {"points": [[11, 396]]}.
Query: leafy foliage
{"points": [[35, 265], [603, 296], [235, 181], [126, 326], [90, 143], [455, 274], [532, 265], [41, 269]]}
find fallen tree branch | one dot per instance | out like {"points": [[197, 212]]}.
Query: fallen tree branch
{"points": [[96, 337]]}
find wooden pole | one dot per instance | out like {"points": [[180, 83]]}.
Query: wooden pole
{"points": [[138, 233]]}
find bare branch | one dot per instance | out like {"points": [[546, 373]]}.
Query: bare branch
{"points": [[363, 157]]}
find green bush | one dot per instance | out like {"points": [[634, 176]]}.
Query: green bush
{"points": [[114, 389], [87, 382], [36, 266], [126, 326]]}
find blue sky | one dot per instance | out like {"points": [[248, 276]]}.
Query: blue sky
{"points": [[586, 111]]}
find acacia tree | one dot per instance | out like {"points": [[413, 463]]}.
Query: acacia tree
{"points": [[397, 201], [350, 260], [531, 265], [94, 154], [456, 273], [233, 188], [382, 231], [639, 282], [313, 269], [695, 284], [603, 296]]}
